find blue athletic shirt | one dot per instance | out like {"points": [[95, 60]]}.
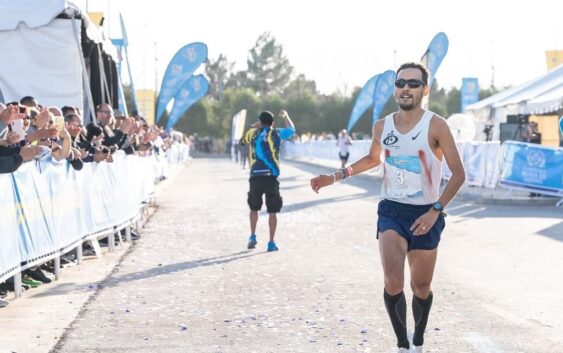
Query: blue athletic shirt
{"points": [[264, 149]]}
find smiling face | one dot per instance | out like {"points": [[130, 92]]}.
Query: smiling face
{"points": [[409, 97], [104, 114], [74, 124]]}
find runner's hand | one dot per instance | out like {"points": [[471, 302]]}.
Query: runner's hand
{"points": [[321, 181], [424, 223]]}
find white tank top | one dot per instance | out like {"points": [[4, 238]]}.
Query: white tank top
{"points": [[412, 173]]}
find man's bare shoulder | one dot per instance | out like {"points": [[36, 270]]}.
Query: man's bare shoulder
{"points": [[439, 128], [438, 122], [378, 128]]}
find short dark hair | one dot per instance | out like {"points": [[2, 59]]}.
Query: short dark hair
{"points": [[266, 118], [67, 109], [413, 65], [92, 131], [27, 99], [70, 116], [99, 107]]}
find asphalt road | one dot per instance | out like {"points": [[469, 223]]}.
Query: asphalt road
{"points": [[190, 285]]}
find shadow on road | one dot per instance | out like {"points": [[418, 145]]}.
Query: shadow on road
{"points": [[302, 205], [114, 280], [554, 232], [371, 185], [470, 210]]}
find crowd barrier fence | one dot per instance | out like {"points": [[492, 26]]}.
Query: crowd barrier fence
{"points": [[48, 208]]}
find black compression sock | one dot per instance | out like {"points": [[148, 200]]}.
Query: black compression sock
{"points": [[397, 309], [420, 311]]}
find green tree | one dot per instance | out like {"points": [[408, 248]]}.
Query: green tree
{"points": [[453, 102], [219, 72], [305, 113], [232, 101], [334, 112], [487, 92], [196, 119], [437, 99], [238, 80], [269, 70], [128, 99], [300, 86]]}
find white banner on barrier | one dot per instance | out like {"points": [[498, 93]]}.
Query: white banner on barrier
{"points": [[9, 249], [44, 209]]}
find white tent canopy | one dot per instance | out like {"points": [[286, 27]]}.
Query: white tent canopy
{"points": [[26, 11], [549, 101], [541, 95], [42, 54], [523, 94]]}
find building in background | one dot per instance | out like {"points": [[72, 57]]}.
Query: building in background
{"points": [[554, 58], [146, 101]]}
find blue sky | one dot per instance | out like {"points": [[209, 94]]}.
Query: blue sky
{"points": [[341, 44]]}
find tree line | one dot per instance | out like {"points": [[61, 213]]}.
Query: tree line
{"points": [[270, 83]]}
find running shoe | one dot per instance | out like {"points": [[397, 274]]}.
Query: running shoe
{"points": [[403, 350], [417, 349], [272, 246], [30, 281], [38, 275], [252, 241]]}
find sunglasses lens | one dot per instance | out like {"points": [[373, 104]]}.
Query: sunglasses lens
{"points": [[401, 83], [414, 83]]}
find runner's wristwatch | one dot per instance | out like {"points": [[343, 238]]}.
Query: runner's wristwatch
{"points": [[437, 206]]}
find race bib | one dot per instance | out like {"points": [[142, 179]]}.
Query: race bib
{"points": [[403, 177]]}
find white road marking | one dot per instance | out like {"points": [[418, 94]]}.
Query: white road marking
{"points": [[507, 315], [483, 343], [451, 208], [470, 212]]}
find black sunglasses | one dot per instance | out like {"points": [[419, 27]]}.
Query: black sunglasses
{"points": [[412, 83]]}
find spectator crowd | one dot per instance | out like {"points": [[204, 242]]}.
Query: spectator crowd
{"points": [[34, 132]]}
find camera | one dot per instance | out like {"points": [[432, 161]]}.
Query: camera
{"points": [[518, 119]]}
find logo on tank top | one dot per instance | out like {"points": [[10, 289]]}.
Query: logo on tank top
{"points": [[390, 140], [415, 136]]}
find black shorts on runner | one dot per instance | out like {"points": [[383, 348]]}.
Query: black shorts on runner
{"points": [[268, 185], [344, 157], [400, 217]]}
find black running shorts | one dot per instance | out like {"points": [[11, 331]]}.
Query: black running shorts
{"points": [[400, 217], [268, 185]]}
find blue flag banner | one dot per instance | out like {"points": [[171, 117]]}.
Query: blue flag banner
{"points": [[383, 90], [195, 88], [125, 44], [433, 56], [469, 92], [180, 68], [532, 167], [561, 124], [363, 102]]}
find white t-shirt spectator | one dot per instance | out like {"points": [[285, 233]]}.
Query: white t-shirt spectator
{"points": [[343, 143]]}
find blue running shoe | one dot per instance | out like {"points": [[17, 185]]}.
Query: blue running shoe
{"points": [[272, 246], [252, 241]]}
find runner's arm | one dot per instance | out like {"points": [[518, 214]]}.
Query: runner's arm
{"points": [[445, 141], [369, 161], [373, 158]]}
